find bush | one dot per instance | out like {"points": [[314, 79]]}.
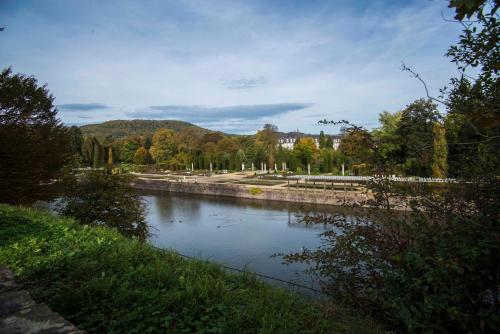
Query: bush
{"points": [[103, 282], [100, 198], [435, 270], [255, 191]]}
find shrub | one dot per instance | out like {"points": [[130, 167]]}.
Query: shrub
{"points": [[435, 270], [99, 198], [255, 191]]}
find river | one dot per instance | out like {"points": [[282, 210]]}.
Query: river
{"points": [[236, 232], [239, 233]]}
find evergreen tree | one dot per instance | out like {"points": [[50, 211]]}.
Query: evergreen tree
{"points": [[76, 140], [250, 153], [329, 142], [34, 146], [148, 142], [98, 156], [92, 151], [322, 140]]}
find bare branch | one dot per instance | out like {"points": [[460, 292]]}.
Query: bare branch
{"points": [[415, 75]]}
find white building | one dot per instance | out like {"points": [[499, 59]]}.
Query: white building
{"points": [[287, 140]]}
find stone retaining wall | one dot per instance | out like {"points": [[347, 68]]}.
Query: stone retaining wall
{"points": [[318, 196]]}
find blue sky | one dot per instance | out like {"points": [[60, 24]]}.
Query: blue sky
{"points": [[229, 65]]}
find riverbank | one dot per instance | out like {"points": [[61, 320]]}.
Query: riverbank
{"points": [[267, 193], [103, 282]]}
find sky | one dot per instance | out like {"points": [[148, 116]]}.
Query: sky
{"points": [[230, 65]]}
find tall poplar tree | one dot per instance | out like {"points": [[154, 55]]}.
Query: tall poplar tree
{"points": [[439, 164], [110, 156]]}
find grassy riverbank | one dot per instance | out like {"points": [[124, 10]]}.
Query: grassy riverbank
{"points": [[103, 282]]}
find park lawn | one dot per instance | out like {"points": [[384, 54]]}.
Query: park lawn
{"points": [[103, 282]]}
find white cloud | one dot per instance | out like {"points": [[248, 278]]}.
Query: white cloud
{"points": [[130, 55]]}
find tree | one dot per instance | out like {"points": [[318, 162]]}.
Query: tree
{"points": [[358, 149], [148, 141], [186, 142], [250, 152], [416, 132], [212, 137], [92, 151], [180, 161], [473, 114], [267, 141], [128, 149], [326, 160], [163, 145], [305, 149], [34, 146], [322, 140], [227, 148], [439, 165], [436, 268], [387, 140], [76, 140], [110, 156], [239, 158], [102, 199], [209, 154], [403, 270], [142, 156], [329, 142], [281, 155]]}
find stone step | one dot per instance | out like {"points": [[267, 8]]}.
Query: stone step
{"points": [[20, 314]]}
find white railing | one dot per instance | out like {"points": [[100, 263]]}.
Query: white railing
{"points": [[340, 178]]}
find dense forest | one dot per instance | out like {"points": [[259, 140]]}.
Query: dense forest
{"points": [[119, 129]]}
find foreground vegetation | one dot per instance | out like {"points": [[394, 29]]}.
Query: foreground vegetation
{"points": [[436, 269], [104, 282]]}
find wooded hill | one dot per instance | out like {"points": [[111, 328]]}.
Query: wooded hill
{"points": [[118, 129]]}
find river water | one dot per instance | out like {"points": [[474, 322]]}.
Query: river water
{"points": [[239, 233], [236, 232]]}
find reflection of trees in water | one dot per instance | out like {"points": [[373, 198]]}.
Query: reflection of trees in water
{"points": [[301, 225], [170, 207], [300, 208], [188, 208]]}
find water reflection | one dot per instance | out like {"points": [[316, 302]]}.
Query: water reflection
{"points": [[237, 232]]}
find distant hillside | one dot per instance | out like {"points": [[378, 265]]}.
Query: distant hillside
{"points": [[123, 128]]}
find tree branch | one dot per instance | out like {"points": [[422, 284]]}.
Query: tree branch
{"points": [[415, 75]]}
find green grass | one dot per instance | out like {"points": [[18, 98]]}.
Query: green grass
{"points": [[103, 282]]}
